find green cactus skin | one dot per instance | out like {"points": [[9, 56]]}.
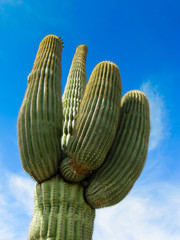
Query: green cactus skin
{"points": [[125, 160], [60, 212], [87, 155], [73, 93], [96, 124], [40, 117]]}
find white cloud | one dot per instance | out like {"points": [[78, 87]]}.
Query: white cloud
{"points": [[6, 231], [151, 213], [22, 189], [10, 2], [158, 114], [16, 205]]}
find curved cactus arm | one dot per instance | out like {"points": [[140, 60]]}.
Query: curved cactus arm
{"points": [[60, 212], [40, 117], [96, 124], [73, 93], [125, 160]]}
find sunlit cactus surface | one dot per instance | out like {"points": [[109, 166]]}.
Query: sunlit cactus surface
{"points": [[85, 148]]}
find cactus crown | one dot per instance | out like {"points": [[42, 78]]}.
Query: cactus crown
{"points": [[61, 41]]}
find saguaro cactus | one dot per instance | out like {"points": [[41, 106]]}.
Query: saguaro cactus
{"points": [[86, 149]]}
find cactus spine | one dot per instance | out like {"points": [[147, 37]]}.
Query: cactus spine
{"points": [[87, 155]]}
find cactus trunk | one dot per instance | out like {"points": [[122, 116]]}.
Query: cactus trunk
{"points": [[61, 212]]}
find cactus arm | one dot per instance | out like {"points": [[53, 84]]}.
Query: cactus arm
{"points": [[60, 212], [40, 117], [96, 123], [126, 158], [73, 93]]}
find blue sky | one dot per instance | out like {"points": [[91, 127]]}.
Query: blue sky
{"points": [[142, 38]]}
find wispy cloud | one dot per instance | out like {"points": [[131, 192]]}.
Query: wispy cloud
{"points": [[158, 114], [10, 2], [16, 205], [5, 6], [22, 189], [6, 226], [151, 213]]}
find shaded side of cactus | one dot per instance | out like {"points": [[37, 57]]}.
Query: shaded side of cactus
{"points": [[125, 160], [60, 212], [40, 116], [96, 123], [73, 93]]}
